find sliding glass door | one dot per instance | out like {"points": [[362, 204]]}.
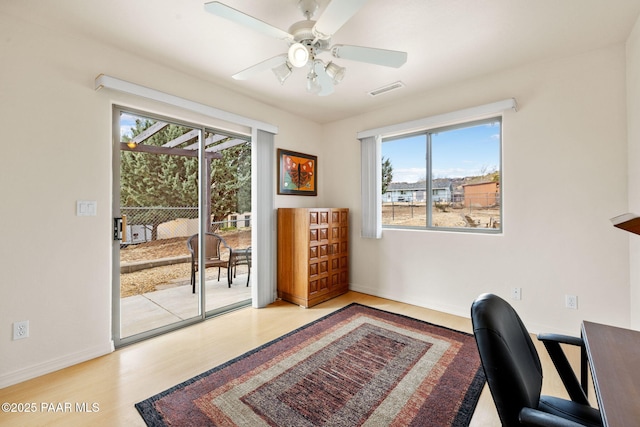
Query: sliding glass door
{"points": [[230, 220], [166, 189]]}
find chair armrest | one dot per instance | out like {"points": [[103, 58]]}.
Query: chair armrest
{"points": [[227, 247], [533, 417], [562, 339], [577, 389]]}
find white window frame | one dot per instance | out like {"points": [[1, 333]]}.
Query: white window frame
{"points": [[371, 158], [429, 196]]}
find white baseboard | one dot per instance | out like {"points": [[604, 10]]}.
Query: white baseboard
{"points": [[53, 365], [533, 328], [455, 310]]}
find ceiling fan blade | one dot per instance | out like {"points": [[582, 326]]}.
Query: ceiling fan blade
{"points": [[260, 67], [224, 11], [326, 84], [337, 13], [388, 58]]}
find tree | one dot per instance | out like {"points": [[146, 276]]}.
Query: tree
{"points": [[148, 179], [387, 174], [231, 182], [160, 181]]}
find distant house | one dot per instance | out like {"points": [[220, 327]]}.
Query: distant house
{"points": [[405, 192], [237, 220], [416, 191], [481, 194], [441, 190]]}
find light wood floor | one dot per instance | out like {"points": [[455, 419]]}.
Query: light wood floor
{"points": [[117, 381]]}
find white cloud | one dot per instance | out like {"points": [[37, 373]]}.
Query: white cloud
{"points": [[409, 174], [127, 122], [454, 172]]}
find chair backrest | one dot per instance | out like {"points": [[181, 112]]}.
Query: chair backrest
{"points": [[211, 243], [509, 358]]}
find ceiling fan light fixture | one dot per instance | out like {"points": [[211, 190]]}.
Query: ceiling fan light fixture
{"points": [[282, 72], [298, 55], [313, 85], [336, 72], [309, 38]]}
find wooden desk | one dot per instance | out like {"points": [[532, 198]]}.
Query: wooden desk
{"points": [[614, 358]]}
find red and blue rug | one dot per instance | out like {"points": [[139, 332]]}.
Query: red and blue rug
{"points": [[358, 366]]}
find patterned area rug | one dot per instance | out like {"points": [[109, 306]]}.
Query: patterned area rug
{"points": [[356, 366]]}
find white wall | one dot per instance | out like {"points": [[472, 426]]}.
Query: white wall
{"points": [[56, 149], [565, 175], [633, 129]]}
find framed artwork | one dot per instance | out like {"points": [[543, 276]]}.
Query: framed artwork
{"points": [[297, 173]]}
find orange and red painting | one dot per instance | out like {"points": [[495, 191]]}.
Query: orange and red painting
{"points": [[297, 173]]}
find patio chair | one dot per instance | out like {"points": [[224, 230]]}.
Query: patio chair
{"points": [[212, 253], [239, 257]]}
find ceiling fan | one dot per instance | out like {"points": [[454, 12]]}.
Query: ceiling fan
{"points": [[307, 39]]}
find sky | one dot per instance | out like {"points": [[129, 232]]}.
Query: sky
{"points": [[456, 153], [127, 121]]}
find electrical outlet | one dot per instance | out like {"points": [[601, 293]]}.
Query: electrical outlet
{"points": [[571, 301], [516, 293], [21, 330]]}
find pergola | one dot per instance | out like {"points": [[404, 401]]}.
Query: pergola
{"points": [[187, 145]]}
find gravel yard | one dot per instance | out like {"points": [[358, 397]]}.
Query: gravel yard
{"points": [[416, 215], [151, 279]]}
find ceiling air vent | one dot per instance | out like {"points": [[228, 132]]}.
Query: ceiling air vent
{"points": [[387, 88]]}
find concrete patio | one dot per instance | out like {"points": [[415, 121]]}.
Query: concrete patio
{"points": [[140, 313]]}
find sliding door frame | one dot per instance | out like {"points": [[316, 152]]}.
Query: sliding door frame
{"points": [[117, 91]]}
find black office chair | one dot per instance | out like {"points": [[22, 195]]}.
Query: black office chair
{"points": [[514, 373]]}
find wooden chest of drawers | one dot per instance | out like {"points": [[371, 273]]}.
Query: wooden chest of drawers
{"points": [[313, 254]]}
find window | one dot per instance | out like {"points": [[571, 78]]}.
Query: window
{"points": [[446, 178]]}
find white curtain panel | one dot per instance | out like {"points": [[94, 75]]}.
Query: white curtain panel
{"points": [[371, 186], [263, 276]]}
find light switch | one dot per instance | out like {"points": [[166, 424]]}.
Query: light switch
{"points": [[86, 208]]}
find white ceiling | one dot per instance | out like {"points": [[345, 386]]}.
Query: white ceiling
{"points": [[446, 40]]}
